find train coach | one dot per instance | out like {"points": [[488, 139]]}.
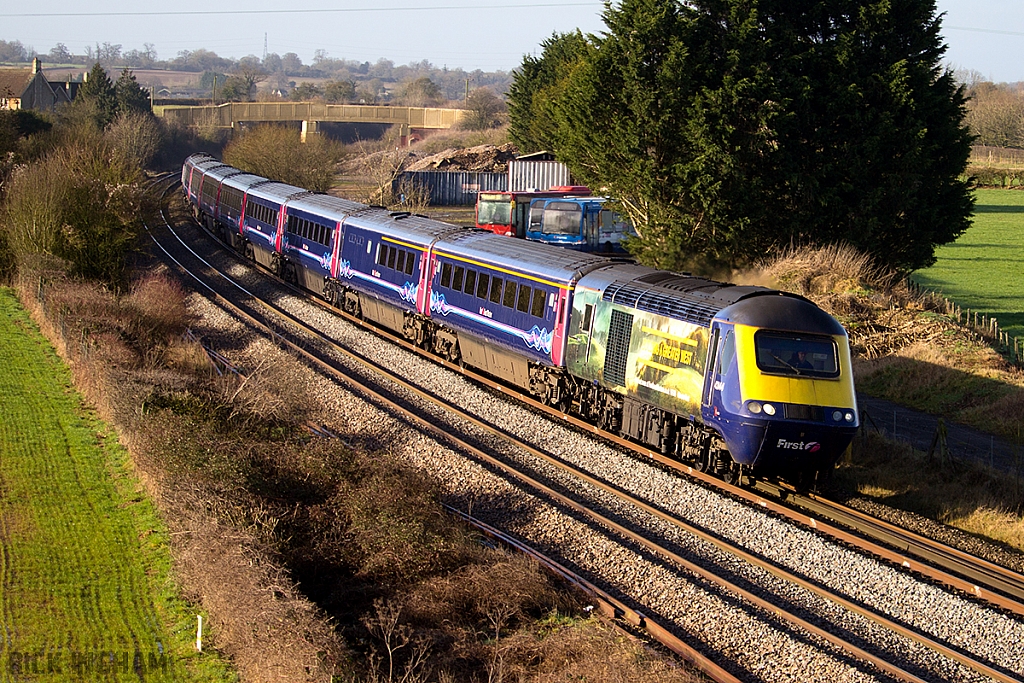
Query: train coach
{"points": [[739, 381]]}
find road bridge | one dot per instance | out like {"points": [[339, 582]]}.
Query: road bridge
{"points": [[409, 119]]}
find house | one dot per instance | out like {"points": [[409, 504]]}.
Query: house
{"points": [[29, 89]]}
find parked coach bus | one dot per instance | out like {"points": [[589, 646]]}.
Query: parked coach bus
{"points": [[507, 213], [582, 223]]}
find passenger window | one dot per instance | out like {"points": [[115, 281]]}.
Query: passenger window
{"points": [[400, 263], [392, 254], [382, 254], [446, 275], [496, 284], [537, 310], [410, 261], [509, 301], [470, 286], [523, 301], [481, 286], [460, 273]]}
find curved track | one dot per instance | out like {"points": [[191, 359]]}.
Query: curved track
{"points": [[833, 635]]}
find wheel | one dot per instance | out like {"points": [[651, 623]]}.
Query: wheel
{"points": [[704, 462], [733, 474]]}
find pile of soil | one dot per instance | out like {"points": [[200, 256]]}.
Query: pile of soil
{"points": [[482, 158]]}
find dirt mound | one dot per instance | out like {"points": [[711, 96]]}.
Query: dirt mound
{"points": [[482, 158]]}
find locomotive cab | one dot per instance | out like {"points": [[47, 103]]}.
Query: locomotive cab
{"points": [[779, 389]]}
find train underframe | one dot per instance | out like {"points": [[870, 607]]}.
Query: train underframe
{"points": [[672, 435], [675, 436]]}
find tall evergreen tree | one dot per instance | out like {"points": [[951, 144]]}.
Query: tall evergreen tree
{"points": [[98, 95], [131, 97], [535, 88], [728, 127]]}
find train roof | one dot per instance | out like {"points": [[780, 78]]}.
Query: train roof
{"points": [[327, 206], [243, 181], [274, 191], [198, 157], [221, 172], [541, 260], [401, 225], [206, 165], [783, 311], [677, 295]]}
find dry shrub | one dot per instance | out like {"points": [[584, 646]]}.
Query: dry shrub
{"points": [[410, 197], [81, 203], [258, 616], [833, 269], [398, 531], [491, 597], [277, 152], [589, 651], [159, 305], [135, 138]]}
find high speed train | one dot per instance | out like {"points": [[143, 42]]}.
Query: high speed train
{"points": [[740, 381]]}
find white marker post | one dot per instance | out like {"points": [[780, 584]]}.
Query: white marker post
{"points": [[199, 633]]}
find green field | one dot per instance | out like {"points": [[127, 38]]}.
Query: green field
{"points": [[85, 587], [984, 269]]}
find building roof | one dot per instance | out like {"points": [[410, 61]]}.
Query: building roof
{"points": [[14, 81]]}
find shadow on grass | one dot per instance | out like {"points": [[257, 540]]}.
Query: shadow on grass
{"points": [[997, 208]]}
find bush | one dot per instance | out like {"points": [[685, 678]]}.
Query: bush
{"points": [[80, 204], [278, 153]]}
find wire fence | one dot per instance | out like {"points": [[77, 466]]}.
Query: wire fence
{"points": [[982, 325]]}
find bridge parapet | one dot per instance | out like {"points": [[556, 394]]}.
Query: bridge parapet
{"points": [[227, 115]]}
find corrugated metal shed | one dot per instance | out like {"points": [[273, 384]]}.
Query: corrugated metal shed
{"points": [[452, 188], [537, 175]]}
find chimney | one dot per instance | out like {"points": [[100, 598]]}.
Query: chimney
{"points": [[37, 66]]}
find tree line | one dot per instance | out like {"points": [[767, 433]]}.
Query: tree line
{"points": [[228, 79], [726, 129]]}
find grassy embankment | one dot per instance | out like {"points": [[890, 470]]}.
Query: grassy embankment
{"points": [[86, 570]]}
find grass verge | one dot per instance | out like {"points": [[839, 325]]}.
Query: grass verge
{"points": [[981, 270], [87, 588], [963, 495]]}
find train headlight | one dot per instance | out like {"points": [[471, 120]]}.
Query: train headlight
{"points": [[849, 417], [837, 415], [769, 409], [754, 407]]}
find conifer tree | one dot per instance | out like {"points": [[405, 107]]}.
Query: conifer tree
{"points": [[98, 95], [726, 128], [131, 98]]}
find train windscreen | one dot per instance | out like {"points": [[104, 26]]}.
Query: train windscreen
{"points": [[785, 354]]}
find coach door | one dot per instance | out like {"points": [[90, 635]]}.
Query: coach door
{"points": [[723, 353]]}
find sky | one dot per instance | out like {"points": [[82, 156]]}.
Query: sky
{"points": [[983, 36]]}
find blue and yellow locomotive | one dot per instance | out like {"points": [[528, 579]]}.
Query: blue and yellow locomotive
{"points": [[737, 380]]}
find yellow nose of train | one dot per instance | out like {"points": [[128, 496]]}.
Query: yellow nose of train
{"points": [[782, 396]]}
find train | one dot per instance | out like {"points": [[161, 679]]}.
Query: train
{"points": [[739, 381]]}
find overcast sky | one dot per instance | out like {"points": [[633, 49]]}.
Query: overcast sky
{"points": [[982, 35]]}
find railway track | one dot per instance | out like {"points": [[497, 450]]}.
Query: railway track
{"points": [[616, 525]]}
